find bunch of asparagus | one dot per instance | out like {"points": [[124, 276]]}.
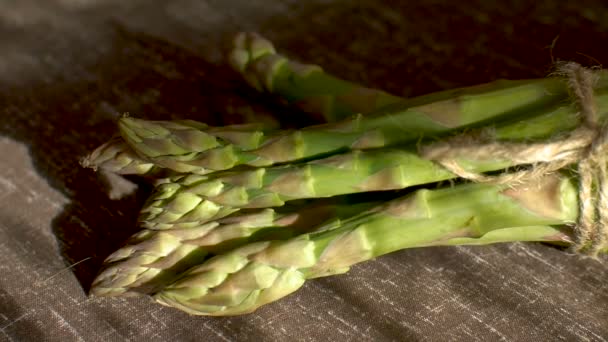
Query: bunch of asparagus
{"points": [[243, 215]]}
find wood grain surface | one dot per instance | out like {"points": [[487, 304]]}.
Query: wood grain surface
{"points": [[69, 68]]}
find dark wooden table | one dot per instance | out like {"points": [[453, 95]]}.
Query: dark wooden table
{"points": [[69, 68]]}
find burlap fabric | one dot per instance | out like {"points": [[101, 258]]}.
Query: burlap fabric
{"points": [[68, 68]]}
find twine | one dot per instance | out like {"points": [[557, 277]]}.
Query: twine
{"points": [[587, 145]]}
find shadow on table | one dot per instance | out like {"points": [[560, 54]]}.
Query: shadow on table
{"points": [[28, 330]]}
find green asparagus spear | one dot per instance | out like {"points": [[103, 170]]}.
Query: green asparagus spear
{"points": [[246, 278], [153, 259], [117, 157], [164, 144], [306, 86], [154, 140]]}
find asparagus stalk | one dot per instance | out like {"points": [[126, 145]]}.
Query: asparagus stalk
{"points": [[190, 201], [246, 278], [169, 145], [153, 259], [306, 86]]}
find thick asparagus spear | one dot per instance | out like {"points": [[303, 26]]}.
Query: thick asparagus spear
{"points": [[153, 259], [162, 142], [246, 278], [193, 200], [304, 85]]}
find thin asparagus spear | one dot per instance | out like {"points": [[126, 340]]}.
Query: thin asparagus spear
{"points": [[117, 157], [162, 142], [114, 159], [304, 85], [246, 278], [190, 201], [153, 259]]}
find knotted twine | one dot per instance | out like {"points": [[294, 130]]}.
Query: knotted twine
{"points": [[586, 146]]}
